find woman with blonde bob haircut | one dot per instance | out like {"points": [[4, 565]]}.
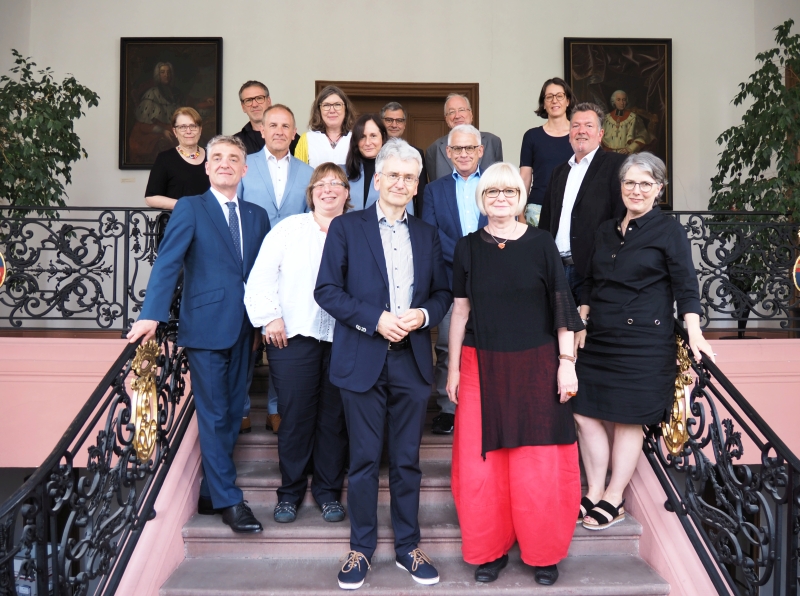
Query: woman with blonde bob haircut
{"points": [[515, 474]]}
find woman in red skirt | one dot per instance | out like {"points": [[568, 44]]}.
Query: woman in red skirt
{"points": [[515, 471]]}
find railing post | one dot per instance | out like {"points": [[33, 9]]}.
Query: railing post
{"points": [[42, 569], [791, 529]]}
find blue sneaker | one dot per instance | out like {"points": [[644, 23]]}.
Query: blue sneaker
{"points": [[419, 566], [354, 570]]}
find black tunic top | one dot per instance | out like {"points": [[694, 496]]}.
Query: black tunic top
{"points": [[543, 153], [626, 372], [518, 298], [174, 177]]}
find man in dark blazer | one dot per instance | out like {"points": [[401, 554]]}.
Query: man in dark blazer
{"points": [[582, 193], [383, 279], [457, 110], [277, 182], [214, 238], [450, 207]]}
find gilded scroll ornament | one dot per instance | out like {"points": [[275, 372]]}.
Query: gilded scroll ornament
{"points": [[145, 402], [675, 430]]}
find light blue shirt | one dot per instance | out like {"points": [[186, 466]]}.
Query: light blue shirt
{"points": [[467, 205]]}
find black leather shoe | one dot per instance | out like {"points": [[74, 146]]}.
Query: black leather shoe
{"points": [[241, 519], [443, 424], [546, 576], [488, 572], [205, 506]]}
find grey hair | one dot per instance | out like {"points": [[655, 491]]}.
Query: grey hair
{"points": [[613, 95], [501, 174], [649, 164], [466, 129], [452, 95], [399, 149], [391, 107], [157, 69], [226, 140], [587, 106]]}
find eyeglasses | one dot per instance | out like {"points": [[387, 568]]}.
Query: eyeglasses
{"points": [[550, 97], [508, 193], [391, 121], [327, 107], [451, 113], [185, 127], [643, 186], [334, 184], [258, 99], [470, 149], [394, 178]]}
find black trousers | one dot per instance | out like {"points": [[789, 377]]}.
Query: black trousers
{"points": [[400, 397], [312, 421]]}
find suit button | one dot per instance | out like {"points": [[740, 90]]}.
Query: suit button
{"points": [[387, 306], [657, 322], [613, 256], [630, 321]]}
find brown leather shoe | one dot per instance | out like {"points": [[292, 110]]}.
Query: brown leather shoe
{"points": [[273, 422], [245, 428]]}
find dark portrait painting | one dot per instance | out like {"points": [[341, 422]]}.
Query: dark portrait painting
{"points": [[159, 75], [631, 79]]}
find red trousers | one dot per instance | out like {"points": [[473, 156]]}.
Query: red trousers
{"points": [[529, 495]]}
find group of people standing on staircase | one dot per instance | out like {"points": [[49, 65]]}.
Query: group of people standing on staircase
{"points": [[552, 287]]}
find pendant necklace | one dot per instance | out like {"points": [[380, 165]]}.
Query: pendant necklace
{"points": [[194, 155], [500, 245], [332, 142]]}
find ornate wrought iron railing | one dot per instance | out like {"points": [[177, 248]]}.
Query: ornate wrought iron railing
{"points": [[75, 527], [87, 268], [744, 263], [743, 519]]}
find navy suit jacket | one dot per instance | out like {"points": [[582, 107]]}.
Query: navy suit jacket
{"points": [[257, 187], [353, 287], [197, 240], [357, 194], [440, 209]]}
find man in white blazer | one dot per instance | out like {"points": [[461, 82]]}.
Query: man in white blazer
{"points": [[457, 110], [278, 183]]}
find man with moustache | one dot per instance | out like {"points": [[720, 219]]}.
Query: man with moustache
{"points": [[254, 98], [214, 239], [277, 182], [582, 193], [395, 118], [457, 111]]}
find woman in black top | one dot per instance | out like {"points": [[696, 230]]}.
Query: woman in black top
{"points": [[640, 267], [369, 135], [515, 474], [179, 172]]}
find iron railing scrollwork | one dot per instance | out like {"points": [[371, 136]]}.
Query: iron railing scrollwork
{"points": [[742, 519], [83, 523]]}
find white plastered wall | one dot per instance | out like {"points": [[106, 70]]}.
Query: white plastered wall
{"points": [[509, 47]]}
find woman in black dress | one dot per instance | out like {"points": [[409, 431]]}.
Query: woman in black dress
{"points": [[179, 172], [640, 267]]}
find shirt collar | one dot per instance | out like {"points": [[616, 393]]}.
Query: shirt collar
{"points": [[588, 159], [475, 174], [381, 216], [641, 221], [222, 199], [271, 157]]}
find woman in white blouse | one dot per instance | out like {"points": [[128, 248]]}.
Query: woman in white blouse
{"points": [[328, 136], [298, 334]]}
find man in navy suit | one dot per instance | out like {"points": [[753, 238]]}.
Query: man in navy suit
{"points": [[214, 238], [277, 182], [449, 205], [383, 279]]}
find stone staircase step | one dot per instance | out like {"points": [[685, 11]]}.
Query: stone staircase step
{"points": [[260, 479], [311, 537], [578, 576]]}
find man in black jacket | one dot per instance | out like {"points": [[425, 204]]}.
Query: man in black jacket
{"points": [[255, 99], [582, 193]]}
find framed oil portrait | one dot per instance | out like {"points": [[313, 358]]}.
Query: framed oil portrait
{"points": [[157, 76], [631, 79]]}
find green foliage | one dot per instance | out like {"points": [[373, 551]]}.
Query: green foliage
{"points": [[37, 141], [758, 169]]}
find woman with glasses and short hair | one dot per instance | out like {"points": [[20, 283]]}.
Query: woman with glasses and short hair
{"points": [[179, 172], [515, 473], [298, 335], [328, 136], [545, 147], [640, 267]]}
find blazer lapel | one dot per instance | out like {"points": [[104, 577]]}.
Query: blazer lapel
{"points": [[263, 170], [443, 155], [414, 236], [218, 218], [290, 179], [452, 204], [590, 173], [248, 237], [370, 224]]}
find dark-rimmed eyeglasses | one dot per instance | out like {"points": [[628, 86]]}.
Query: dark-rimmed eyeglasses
{"points": [[458, 150], [327, 107], [508, 193], [551, 96], [258, 100], [391, 121], [185, 127]]}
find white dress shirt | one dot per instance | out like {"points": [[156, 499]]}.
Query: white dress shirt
{"points": [[576, 174], [279, 172], [282, 281], [222, 200]]}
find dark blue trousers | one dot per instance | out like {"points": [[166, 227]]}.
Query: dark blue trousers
{"points": [[219, 379], [575, 281], [312, 420], [400, 397]]}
